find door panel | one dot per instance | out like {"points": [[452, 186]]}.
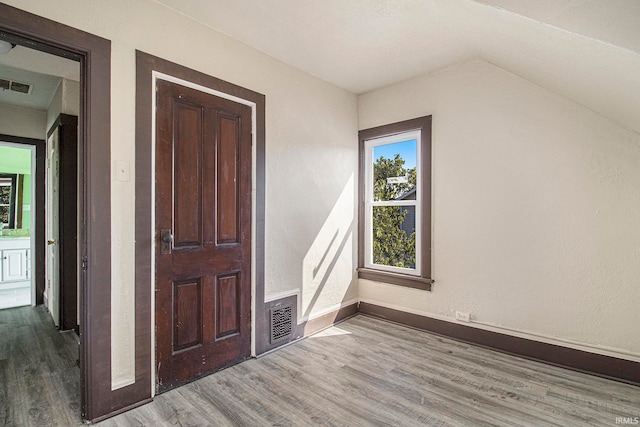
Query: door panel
{"points": [[228, 181], [203, 196], [188, 146], [53, 210], [187, 297], [227, 291]]}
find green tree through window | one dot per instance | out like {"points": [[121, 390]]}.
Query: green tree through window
{"points": [[391, 244]]}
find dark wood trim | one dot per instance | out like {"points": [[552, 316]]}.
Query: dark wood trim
{"points": [[67, 125], [327, 320], [68, 218], [145, 65], [609, 367], [94, 55], [39, 212], [423, 124], [54, 126], [395, 278]]}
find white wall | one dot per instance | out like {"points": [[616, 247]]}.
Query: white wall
{"points": [[70, 97], [536, 210], [311, 153], [23, 122], [65, 100], [55, 106]]}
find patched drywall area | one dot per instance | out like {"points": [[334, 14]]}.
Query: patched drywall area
{"points": [[311, 156], [536, 206]]}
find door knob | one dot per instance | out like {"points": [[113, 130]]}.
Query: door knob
{"points": [[166, 236]]}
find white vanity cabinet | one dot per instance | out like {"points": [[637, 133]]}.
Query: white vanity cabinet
{"points": [[15, 255]]}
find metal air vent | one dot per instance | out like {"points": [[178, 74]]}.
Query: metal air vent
{"points": [[281, 325], [6, 84], [20, 87]]}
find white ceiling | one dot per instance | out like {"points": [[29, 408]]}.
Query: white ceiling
{"points": [[42, 88], [41, 62], [585, 50], [359, 45], [41, 70]]}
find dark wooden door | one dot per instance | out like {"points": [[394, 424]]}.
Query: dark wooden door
{"points": [[203, 234], [68, 217]]}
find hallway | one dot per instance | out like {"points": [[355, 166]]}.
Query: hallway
{"points": [[39, 377]]}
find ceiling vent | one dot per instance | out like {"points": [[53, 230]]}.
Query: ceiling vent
{"points": [[15, 86]]}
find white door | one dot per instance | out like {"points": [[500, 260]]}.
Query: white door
{"points": [[52, 290]]}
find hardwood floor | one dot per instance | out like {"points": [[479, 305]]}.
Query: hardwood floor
{"points": [[39, 378], [362, 372], [368, 372]]}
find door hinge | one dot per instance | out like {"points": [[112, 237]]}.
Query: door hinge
{"points": [[85, 263]]}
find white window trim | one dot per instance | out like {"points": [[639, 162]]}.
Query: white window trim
{"points": [[369, 203]]}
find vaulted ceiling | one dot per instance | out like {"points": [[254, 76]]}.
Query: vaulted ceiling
{"points": [[585, 50]]}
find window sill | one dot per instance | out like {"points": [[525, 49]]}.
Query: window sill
{"points": [[415, 282]]}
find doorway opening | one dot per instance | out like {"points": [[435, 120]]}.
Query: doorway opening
{"points": [[92, 54], [17, 236], [39, 275]]}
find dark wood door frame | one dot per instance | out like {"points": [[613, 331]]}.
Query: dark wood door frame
{"points": [[39, 198], [94, 55]]}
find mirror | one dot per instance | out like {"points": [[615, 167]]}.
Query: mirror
{"points": [[8, 192]]}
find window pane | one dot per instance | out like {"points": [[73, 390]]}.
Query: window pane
{"points": [[394, 171], [394, 237]]}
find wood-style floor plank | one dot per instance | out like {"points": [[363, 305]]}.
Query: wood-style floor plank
{"points": [[39, 378], [362, 372], [367, 372]]}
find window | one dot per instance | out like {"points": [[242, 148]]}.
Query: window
{"points": [[395, 204]]}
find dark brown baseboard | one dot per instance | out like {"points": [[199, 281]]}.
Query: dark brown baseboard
{"points": [[303, 329], [326, 320], [600, 365]]}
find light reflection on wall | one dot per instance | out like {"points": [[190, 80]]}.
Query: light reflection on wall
{"points": [[328, 273]]}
